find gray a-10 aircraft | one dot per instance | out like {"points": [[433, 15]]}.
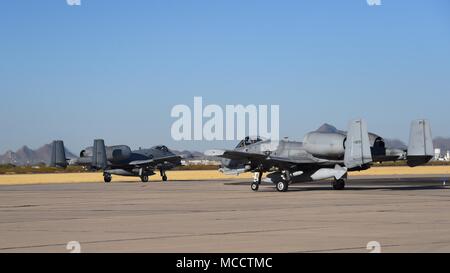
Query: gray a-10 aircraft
{"points": [[322, 155], [119, 160]]}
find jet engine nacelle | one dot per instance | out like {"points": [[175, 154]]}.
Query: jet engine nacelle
{"points": [[113, 153], [325, 145], [332, 145], [118, 153], [88, 152]]}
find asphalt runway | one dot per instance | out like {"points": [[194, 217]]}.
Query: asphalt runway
{"points": [[403, 214]]}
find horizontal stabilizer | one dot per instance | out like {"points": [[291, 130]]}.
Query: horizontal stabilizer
{"points": [[357, 145], [420, 148]]}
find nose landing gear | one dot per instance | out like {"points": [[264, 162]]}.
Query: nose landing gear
{"points": [[256, 181]]}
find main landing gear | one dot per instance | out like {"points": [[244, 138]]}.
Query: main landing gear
{"points": [[144, 178], [339, 184], [256, 181], [283, 185], [107, 177], [163, 175]]}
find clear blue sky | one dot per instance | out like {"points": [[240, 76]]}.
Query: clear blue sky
{"points": [[114, 69]]}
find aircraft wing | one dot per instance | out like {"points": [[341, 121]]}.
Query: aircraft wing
{"points": [[155, 161], [298, 161], [237, 155]]}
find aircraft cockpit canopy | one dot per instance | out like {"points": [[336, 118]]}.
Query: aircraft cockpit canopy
{"points": [[162, 148], [249, 141]]}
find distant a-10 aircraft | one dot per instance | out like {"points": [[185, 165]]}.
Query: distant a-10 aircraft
{"points": [[119, 160], [322, 155]]}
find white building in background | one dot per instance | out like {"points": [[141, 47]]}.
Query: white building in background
{"points": [[200, 162], [437, 154]]}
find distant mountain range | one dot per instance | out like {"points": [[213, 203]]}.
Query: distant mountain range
{"points": [[390, 143], [327, 128], [26, 156], [439, 142]]}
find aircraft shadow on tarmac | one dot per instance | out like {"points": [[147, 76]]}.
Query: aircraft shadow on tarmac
{"points": [[362, 188], [409, 184]]}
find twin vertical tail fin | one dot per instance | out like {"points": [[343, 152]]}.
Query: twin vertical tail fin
{"points": [[58, 156], [420, 148], [99, 159], [357, 145]]}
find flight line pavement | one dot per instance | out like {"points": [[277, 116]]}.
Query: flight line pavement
{"points": [[403, 214]]}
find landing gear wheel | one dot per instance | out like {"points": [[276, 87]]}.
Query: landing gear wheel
{"points": [[163, 175], [257, 178], [282, 186], [107, 177], [144, 178], [339, 184]]}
